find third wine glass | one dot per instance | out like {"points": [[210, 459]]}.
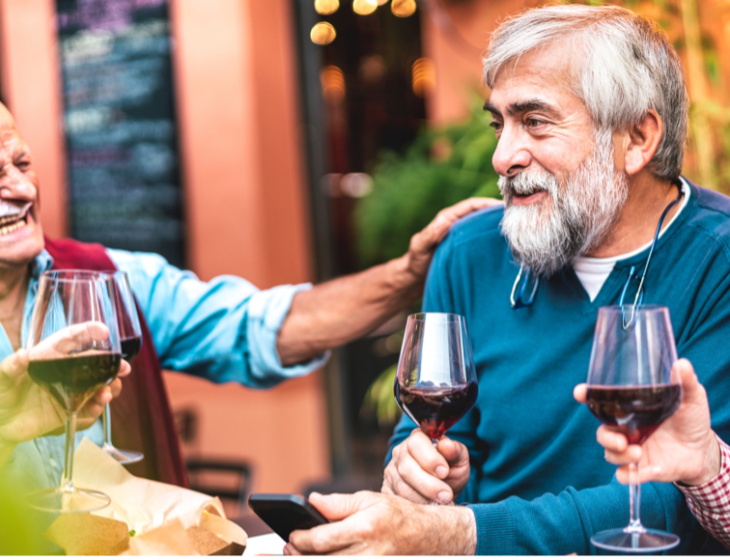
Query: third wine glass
{"points": [[130, 335]]}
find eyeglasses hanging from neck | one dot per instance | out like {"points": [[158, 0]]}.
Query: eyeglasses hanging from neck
{"points": [[527, 283]]}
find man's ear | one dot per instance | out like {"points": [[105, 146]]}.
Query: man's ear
{"points": [[643, 141]]}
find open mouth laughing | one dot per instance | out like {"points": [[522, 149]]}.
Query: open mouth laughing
{"points": [[15, 221]]}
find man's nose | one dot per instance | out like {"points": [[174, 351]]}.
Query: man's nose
{"points": [[14, 185], [511, 155]]}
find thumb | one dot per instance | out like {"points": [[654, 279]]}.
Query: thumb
{"points": [[14, 365], [453, 451], [580, 392], [691, 387], [338, 506]]}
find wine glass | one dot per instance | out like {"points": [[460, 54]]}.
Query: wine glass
{"points": [[73, 347], [632, 388], [436, 384], [130, 335]]}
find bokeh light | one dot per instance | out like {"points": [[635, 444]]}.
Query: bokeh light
{"points": [[333, 83], [326, 7], [424, 77], [403, 8], [364, 7], [323, 33], [382, 2]]}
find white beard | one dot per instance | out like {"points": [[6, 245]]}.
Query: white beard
{"points": [[576, 216]]}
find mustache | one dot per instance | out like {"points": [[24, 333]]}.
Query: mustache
{"points": [[526, 183], [9, 208]]}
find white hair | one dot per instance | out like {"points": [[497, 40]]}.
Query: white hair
{"points": [[628, 67]]}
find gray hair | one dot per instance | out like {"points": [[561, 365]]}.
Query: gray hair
{"points": [[629, 67]]}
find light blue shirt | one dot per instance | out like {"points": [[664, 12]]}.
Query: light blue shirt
{"points": [[223, 330]]}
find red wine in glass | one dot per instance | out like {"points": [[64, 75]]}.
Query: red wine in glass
{"points": [[436, 409], [72, 380], [131, 347], [436, 382], [635, 411]]}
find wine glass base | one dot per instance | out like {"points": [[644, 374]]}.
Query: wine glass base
{"points": [[77, 500], [617, 540], [123, 457]]}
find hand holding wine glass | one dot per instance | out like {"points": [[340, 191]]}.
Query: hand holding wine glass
{"points": [[28, 412], [435, 386], [633, 388], [683, 449]]}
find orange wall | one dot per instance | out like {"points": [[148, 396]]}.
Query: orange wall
{"points": [[31, 86], [236, 87], [246, 205], [457, 60]]}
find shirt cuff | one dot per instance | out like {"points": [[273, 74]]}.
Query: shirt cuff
{"points": [[266, 313], [713, 495], [495, 529]]}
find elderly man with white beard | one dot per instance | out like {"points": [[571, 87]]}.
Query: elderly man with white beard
{"points": [[590, 108]]}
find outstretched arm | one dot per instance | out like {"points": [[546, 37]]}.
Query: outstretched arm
{"points": [[341, 310]]}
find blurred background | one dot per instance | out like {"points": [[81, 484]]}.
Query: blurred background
{"points": [[286, 141]]}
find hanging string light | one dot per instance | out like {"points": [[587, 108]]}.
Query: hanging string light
{"points": [[364, 7], [323, 33], [403, 8], [326, 7]]}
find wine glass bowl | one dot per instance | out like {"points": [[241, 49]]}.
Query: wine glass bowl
{"points": [[73, 350], [632, 388], [436, 382]]}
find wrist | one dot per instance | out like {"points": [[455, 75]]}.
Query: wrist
{"points": [[404, 279], [711, 465], [462, 538]]}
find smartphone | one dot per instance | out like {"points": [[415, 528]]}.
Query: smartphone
{"points": [[285, 513]]}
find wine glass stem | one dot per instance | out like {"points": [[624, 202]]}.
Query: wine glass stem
{"points": [[67, 484], [635, 525], [106, 421]]}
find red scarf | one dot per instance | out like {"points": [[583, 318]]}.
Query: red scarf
{"points": [[141, 416]]}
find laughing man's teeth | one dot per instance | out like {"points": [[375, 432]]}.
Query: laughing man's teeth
{"points": [[9, 229]]}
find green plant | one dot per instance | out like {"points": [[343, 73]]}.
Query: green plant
{"points": [[443, 166], [380, 400]]}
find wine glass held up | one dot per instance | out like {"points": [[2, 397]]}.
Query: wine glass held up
{"points": [[130, 335], [436, 382], [632, 388], [73, 348]]}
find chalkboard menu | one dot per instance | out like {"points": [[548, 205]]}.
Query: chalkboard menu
{"points": [[121, 134]]}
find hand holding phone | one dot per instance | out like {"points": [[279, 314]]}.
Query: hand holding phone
{"points": [[285, 513]]}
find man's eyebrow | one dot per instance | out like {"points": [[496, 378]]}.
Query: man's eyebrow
{"points": [[522, 107], [491, 108]]}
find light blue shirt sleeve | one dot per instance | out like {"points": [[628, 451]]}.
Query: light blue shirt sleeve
{"points": [[222, 330]]}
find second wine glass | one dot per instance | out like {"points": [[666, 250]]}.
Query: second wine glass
{"points": [[436, 383], [130, 335], [633, 389]]}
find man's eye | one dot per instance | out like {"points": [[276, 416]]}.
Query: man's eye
{"points": [[497, 126], [23, 165], [534, 123]]}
